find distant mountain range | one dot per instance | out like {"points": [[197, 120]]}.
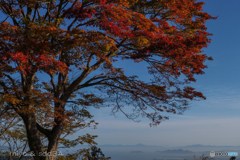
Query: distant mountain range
{"points": [[119, 145], [179, 151], [200, 145]]}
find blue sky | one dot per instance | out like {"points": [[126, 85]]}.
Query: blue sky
{"points": [[214, 121]]}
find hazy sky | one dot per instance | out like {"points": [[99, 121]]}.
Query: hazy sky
{"points": [[214, 121]]}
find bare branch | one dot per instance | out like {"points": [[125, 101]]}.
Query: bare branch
{"points": [[35, 11], [75, 83], [39, 16], [70, 26], [23, 13], [52, 82], [91, 84], [7, 9], [59, 8], [29, 12], [44, 131]]}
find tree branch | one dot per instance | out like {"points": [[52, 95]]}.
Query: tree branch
{"points": [[36, 7], [44, 131], [52, 82], [75, 83], [90, 84], [29, 12], [23, 13], [7, 10]]}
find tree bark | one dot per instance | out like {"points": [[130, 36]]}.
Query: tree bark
{"points": [[33, 129], [35, 143], [33, 136], [53, 140]]}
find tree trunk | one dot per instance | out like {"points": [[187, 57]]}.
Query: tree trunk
{"points": [[33, 136], [53, 140], [35, 143]]}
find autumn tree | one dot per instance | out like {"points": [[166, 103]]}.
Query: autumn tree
{"points": [[92, 153], [96, 154], [85, 38], [13, 135]]}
